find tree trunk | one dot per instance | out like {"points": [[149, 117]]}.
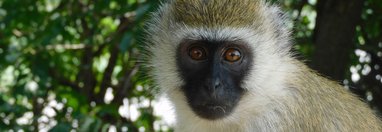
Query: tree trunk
{"points": [[334, 36]]}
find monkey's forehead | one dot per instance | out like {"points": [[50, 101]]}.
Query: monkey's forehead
{"points": [[212, 13]]}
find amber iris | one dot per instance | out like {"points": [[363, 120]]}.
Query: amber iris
{"points": [[197, 53], [232, 55]]}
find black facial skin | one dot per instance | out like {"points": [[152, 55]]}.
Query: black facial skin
{"points": [[212, 84]]}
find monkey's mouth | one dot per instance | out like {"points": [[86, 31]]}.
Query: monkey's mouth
{"points": [[212, 111]]}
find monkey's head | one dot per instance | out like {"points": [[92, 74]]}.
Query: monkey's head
{"points": [[210, 56]]}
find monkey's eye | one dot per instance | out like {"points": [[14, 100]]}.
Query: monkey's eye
{"points": [[232, 55], [197, 53]]}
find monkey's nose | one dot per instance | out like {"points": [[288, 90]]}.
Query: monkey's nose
{"points": [[214, 87]]}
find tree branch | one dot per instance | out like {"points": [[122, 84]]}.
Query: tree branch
{"points": [[125, 87], [106, 79], [299, 8], [64, 81], [126, 24]]}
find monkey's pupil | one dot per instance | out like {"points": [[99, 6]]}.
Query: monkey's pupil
{"points": [[232, 55], [197, 53]]}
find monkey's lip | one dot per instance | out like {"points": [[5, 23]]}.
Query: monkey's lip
{"points": [[219, 108], [212, 111]]}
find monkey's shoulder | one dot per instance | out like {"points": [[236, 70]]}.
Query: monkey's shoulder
{"points": [[321, 103]]}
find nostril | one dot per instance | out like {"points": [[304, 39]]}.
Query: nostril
{"points": [[217, 83]]}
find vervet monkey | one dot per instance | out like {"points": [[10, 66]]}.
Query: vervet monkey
{"points": [[227, 66]]}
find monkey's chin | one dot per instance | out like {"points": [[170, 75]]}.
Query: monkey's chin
{"points": [[211, 111]]}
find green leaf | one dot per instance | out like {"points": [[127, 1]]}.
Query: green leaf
{"points": [[61, 127], [126, 42]]}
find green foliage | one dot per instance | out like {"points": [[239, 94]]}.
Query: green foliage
{"points": [[58, 59]]}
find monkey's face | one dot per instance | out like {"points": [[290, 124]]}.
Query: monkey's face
{"points": [[217, 59], [212, 72]]}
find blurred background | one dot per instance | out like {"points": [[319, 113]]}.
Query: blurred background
{"points": [[70, 65]]}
